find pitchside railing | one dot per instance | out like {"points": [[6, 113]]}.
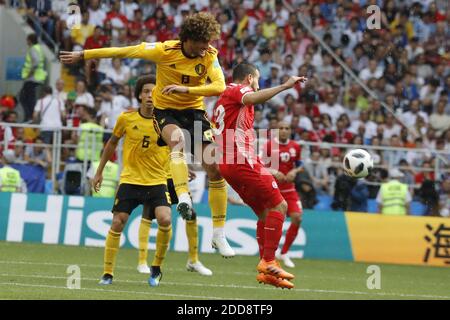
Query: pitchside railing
{"points": [[57, 163], [441, 157]]}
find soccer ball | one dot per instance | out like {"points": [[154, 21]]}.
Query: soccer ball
{"points": [[358, 163]]}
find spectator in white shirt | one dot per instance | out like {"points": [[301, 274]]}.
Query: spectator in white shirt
{"points": [[59, 92], [280, 14], [390, 127], [372, 71], [38, 154], [83, 94], [368, 127], [392, 157], [251, 53], [409, 117], [429, 94], [354, 34], [331, 107], [127, 8], [440, 121], [49, 112], [97, 14], [417, 158], [351, 109], [413, 49], [111, 107], [119, 73]]}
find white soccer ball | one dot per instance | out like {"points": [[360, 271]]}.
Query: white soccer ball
{"points": [[358, 163]]}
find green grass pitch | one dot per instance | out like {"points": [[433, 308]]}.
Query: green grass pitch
{"points": [[37, 271]]}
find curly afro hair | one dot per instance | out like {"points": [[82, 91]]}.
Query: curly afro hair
{"points": [[201, 26]]}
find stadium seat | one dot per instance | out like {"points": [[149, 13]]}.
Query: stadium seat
{"points": [[324, 203], [418, 208], [372, 206], [71, 182], [49, 186]]}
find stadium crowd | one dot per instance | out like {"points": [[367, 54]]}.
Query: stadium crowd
{"points": [[406, 63]]}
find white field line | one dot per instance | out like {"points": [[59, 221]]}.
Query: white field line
{"points": [[151, 293], [232, 286], [238, 273]]}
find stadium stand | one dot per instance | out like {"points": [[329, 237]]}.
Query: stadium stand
{"points": [[406, 63]]}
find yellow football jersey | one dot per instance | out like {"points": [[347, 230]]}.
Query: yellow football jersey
{"points": [[174, 67], [144, 162]]}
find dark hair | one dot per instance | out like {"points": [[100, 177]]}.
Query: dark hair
{"points": [[201, 26], [141, 82], [90, 111], [32, 38], [104, 89], [242, 70], [46, 90], [265, 51]]}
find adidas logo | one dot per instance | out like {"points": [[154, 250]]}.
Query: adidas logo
{"points": [[172, 66], [135, 128]]}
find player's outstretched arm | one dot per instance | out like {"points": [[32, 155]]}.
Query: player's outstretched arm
{"points": [[267, 94], [148, 51], [107, 154], [290, 177]]}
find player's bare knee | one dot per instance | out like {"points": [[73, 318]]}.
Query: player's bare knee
{"points": [[296, 219], [163, 216], [282, 207], [164, 220], [212, 170], [119, 221], [174, 138]]}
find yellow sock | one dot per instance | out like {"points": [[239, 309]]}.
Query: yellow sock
{"points": [[217, 199], [179, 170], [192, 235], [162, 244], [111, 247], [144, 230]]}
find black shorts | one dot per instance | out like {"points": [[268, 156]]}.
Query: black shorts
{"points": [[185, 119], [130, 196], [172, 193]]}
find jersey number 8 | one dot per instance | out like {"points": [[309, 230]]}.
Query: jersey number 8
{"points": [[146, 142]]}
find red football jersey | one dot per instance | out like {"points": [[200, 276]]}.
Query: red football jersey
{"points": [[234, 125], [287, 153]]}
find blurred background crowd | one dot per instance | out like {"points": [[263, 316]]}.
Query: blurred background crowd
{"points": [[406, 63]]}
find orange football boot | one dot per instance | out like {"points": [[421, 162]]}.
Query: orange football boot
{"points": [[273, 268], [274, 281]]}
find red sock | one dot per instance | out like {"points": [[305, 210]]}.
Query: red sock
{"points": [[272, 235], [291, 234], [260, 236]]}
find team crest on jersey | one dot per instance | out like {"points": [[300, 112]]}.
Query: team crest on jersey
{"points": [[292, 151], [162, 121], [274, 185], [200, 69]]}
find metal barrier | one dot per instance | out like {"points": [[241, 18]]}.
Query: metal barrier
{"points": [[349, 72], [440, 156], [57, 146]]}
